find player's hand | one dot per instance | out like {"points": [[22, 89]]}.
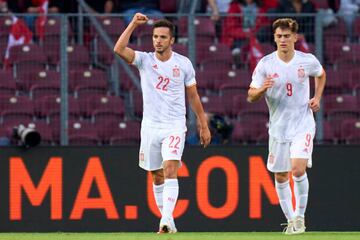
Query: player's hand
{"points": [[268, 83], [205, 136], [139, 19], [314, 104], [215, 16]]}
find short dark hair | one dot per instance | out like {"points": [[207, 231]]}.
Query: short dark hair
{"points": [[167, 24], [286, 23]]}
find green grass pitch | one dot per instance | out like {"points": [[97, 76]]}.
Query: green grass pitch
{"points": [[182, 236]]}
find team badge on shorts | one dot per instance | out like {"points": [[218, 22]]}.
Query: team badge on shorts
{"points": [[271, 158], [176, 71], [141, 156]]}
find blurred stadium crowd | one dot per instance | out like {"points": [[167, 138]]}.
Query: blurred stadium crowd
{"points": [[230, 38]]}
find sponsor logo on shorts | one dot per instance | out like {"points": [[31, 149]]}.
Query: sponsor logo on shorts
{"points": [[306, 150], [174, 152]]}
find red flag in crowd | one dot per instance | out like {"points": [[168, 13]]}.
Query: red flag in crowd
{"points": [[255, 52], [19, 34], [41, 20]]}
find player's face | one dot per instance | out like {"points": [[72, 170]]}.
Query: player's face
{"points": [[285, 39], [162, 39]]}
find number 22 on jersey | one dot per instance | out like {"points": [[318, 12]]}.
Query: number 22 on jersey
{"points": [[162, 83]]}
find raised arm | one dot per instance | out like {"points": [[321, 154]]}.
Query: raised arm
{"points": [[319, 89], [196, 106], [254, 94], [121, 48]]}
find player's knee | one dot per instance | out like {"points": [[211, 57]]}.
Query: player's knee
{"points": [[170, 172], [281, 177], [158, 177], [170, 169], [297, 171]]}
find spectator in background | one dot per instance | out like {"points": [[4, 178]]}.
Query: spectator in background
{"points": [[102, 6], [348, 11], [129, 8], [333, 5], [217, 7], [3, 6], [269, 5], [295, 7], [237, 30], [32, 7]]}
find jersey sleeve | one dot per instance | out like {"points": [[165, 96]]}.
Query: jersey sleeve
{"points": [[189, 75], [258, 75], [315, 68], [139, 59]]}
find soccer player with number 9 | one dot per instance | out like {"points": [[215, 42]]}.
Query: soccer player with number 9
{"points": [[283, 78]]}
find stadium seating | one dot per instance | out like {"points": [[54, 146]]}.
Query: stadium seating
{"points": [[7, 83], [117, 132], [5, 25], [180, 48], [350, 131], [48, 107], [168, 6], [83, 133], [205, 30], [335, 33], [250, 131], [13, 107], [248, 111], [78, 56], [124, 79], [40, 90], [27, 56], [239, 79], [87, 78], [29, 78], [213, 104], [328, 134], [100, 107], [337, 81], [340, 102], [111, 25], [218, 51], [137, 103]]}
